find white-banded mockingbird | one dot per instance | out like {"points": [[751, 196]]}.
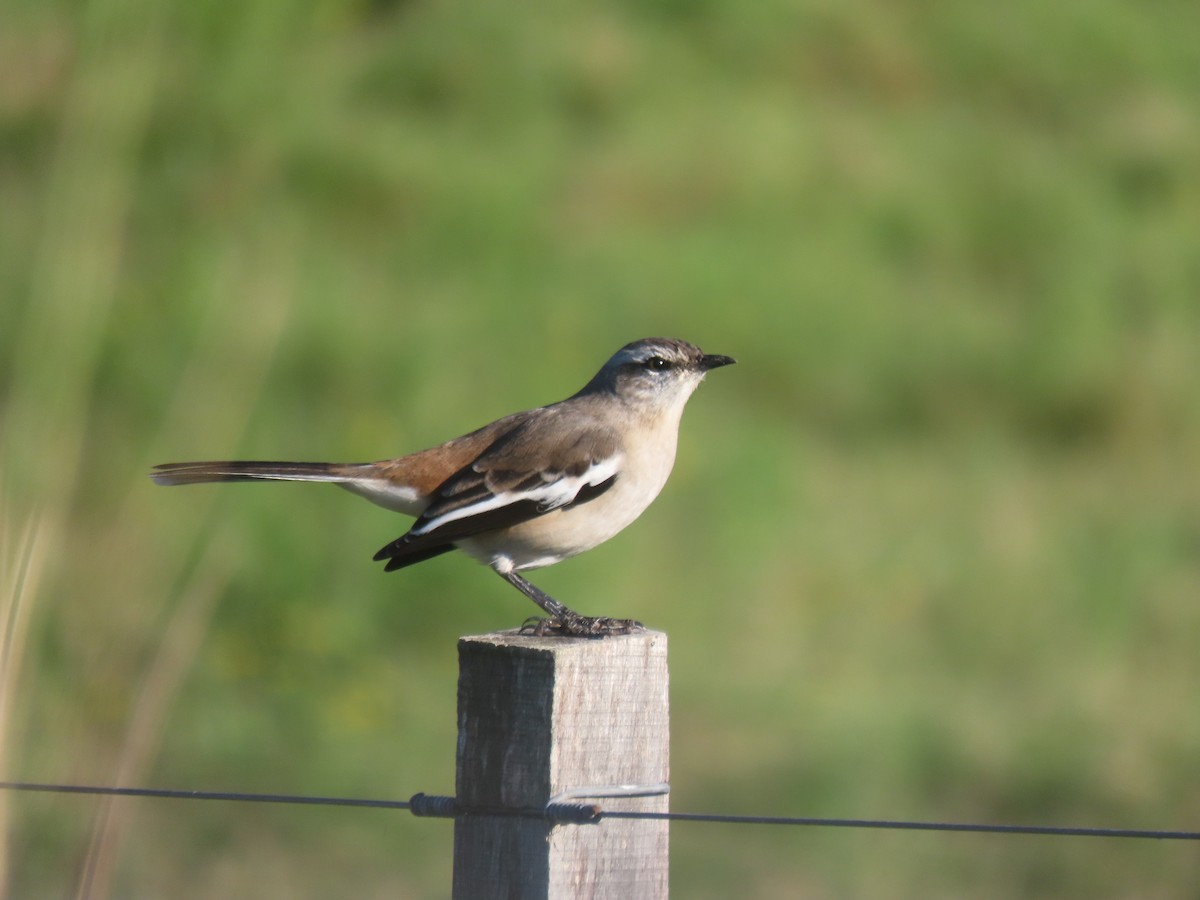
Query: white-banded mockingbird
{"points": [[530, 489]]}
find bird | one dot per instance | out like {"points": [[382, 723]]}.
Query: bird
{"points": [[530, 489]]}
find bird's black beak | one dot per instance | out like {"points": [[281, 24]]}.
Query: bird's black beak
{"points": [[715, 361]]}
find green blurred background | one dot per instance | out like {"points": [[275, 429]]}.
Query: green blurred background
{"points": [[930, 551]]}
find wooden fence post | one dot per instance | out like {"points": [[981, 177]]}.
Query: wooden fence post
{"points": [[540, 716]]}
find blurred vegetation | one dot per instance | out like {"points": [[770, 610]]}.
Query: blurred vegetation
{"points": [[931, 550]]}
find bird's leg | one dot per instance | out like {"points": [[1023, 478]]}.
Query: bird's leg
{"points": [[563, 620]]}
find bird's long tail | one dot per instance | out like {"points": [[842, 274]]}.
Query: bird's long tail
{"points": [[247, 470]]}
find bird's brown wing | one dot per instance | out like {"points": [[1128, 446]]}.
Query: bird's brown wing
{"points": [[528, 471]]}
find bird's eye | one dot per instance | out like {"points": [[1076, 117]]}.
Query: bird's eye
{"points": [[657, 364]]}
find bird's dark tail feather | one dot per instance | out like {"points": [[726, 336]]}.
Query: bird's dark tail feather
{"points": [[244, 470]]}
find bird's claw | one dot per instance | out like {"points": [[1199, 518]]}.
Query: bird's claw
{"points": [[576, 625]]}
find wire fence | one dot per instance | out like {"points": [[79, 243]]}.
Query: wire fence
{"points": [[426, 805]]}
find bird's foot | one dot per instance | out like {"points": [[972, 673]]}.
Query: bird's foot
{"points": [[575, 625], [562, 621]]}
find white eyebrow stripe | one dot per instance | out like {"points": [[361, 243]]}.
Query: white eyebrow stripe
{"points": [[549, 496]]}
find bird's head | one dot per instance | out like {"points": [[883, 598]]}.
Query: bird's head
{"points": [[656, 372]]}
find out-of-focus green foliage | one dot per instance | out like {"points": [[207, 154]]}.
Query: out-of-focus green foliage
{"points": [[931, 550]]}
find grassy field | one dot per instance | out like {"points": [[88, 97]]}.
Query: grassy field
{"points": [[930, 551]]}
